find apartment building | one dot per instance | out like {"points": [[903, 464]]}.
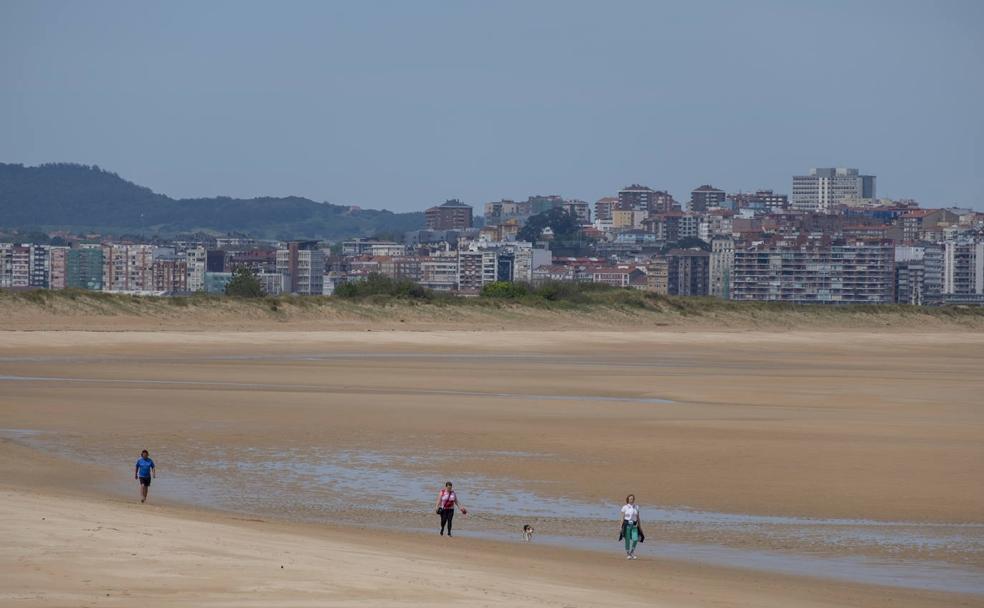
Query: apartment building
{"points": [[636, 198], [215, 282], [579, 209], [627, 219], [333, 279], [39, 266], [549, 273], [673, 226], [824, 189], [710, 225], [235, 243], [689, 226], [642, 198], [963, 267], [439, 271], [658, 276], [6, 254], [688, 272], [604, 208], [721, 265], [357, 247], [663, 202], [524, 258], [476, 269], [58, 267], [401, 267], [499, 211], [858, 273], [706, 197], [760, 200], [452, 215], [304, 265], [275, 283], [195, 259], [215, 261], [257, 260], [128, 268], [505, 231], [84, 267], [15, 266], [919, 280], [619, 276], [171, 276]]}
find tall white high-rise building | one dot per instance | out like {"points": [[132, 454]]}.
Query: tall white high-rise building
{"points": [[824, 189], [722, 265], [963, 267], [304, 265], [196, 258]]}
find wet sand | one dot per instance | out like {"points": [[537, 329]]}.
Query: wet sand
{"points": [[834, 445]]}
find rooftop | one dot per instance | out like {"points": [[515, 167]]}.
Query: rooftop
{"points": [[453, 202]]}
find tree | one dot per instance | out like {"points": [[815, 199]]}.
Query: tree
{"points": [[563, 224], [377, 284], [505, 289], [244, 284]]}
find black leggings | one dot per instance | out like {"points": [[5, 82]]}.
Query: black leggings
{"points": [[446, 516]]}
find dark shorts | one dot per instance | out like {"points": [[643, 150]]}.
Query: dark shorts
{"points": [[145, 481]]}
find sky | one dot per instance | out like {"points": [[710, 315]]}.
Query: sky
{"points": [[402, 105]]}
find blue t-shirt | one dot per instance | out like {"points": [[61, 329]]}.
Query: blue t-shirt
{"points": [[144, 465]]}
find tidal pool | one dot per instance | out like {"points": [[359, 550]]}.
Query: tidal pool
{"points": [[396, 489]]}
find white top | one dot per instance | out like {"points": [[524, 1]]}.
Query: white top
{"points": [[630, 512]]}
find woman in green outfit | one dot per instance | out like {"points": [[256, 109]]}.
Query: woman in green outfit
{"points": [[630, 529]]}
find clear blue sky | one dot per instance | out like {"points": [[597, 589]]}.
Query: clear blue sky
{"points": [[404, 104]]}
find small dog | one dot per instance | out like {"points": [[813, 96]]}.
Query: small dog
{"points": [[527, 533]]}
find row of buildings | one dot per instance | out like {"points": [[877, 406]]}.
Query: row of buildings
{"points": [[822, 190], [833, 241], [130, 268], [802, 270]]}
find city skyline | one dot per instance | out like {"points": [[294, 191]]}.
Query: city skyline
{"points": [[401, 107]]}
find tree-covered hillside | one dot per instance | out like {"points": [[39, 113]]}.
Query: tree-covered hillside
{"points": [[80, 197]]}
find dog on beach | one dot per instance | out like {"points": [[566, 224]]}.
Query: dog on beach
{"points": [[527, 533]]}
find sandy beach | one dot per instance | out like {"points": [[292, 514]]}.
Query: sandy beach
{"points": [[774, 468]]}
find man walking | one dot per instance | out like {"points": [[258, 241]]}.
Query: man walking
{"points": [[143, 472]]}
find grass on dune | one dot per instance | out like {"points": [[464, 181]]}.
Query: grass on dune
{"points": [[382, 293]]}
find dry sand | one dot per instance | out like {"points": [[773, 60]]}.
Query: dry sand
{"points": [[833, 424]]}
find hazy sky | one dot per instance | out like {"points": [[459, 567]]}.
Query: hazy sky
{"points": [[404, 104]]}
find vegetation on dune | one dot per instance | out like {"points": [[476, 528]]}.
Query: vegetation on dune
{"points": [[378, 294], [380, 286], [505, 289], [562, 293], [244, 284], [380, 289]]}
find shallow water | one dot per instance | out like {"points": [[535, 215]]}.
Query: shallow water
{"points": [[914, 574], [398, 490]]}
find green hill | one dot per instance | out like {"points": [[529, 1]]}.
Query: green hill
{"points": [[80, 197]]}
